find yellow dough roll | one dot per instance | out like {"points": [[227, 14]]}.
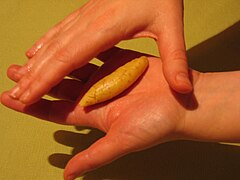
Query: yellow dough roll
{"points": [[115, 83]]}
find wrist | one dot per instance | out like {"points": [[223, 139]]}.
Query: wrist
{"points": [[216, 116], [188, 106]]}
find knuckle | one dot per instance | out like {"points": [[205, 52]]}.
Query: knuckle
{"points": [[62, 56], [178, 55], [54, 46], [53, 31], [30, 75], [59, 53]]}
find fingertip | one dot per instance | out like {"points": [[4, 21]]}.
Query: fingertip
{"points": [[183, 89], [7, 100], [13, 67], [31, 52], [12, 72], [179, 80], [34, 49], [102, 152], [76, 167], [69, 177], [176, 73], [28, 54], [1, 97], [182, 83]]}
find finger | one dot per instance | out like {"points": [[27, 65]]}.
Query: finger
{"points": [[67, 89], [62, 112], [50, 34], [13, 73], [100, 153], [173, 52]]}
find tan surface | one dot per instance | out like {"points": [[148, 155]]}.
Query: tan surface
{"points": [[34, 149]]}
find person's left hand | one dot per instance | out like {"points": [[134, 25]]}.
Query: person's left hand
{"points": [[145, 115]]}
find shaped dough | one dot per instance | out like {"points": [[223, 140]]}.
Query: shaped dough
{"points": [[115, 83]]}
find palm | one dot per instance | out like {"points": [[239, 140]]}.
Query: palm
{"points": [[145, 114]]}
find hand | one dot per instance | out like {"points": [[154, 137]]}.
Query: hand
{"points": [[96, 27], [143, 116]]}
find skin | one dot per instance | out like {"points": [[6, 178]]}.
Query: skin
{"points": [[91, 30], [210, 113]]}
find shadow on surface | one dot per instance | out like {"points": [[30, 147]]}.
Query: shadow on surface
{"points": [[179, 160], [78, 141], [219, 53]]}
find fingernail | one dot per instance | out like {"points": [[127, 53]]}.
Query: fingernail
{"points": [[183, 78], [14, 93]]}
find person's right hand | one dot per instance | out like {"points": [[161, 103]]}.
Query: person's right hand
{"points": [[96, 27]]}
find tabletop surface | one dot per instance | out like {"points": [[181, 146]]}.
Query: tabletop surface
{"points": [[34, 149]]}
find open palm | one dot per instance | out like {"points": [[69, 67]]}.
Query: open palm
{"points": [[147, 114]]}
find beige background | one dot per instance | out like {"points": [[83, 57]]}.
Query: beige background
{"points": [[34, 149]]}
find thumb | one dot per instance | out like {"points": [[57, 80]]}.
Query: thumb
{"points": [[102, 152], [175, 66], [171, 44]]}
